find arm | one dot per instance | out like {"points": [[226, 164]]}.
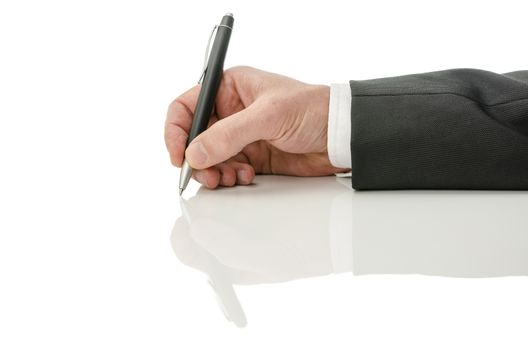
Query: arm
{"points": [[454, 129]]}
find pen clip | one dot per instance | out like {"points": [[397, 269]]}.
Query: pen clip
{"points": [[207, 52]]}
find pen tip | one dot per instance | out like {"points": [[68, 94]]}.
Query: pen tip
{"points": [[181, 191], [229, 14]]}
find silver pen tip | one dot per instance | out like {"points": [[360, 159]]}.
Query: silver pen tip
{"points": [[181, 191]]}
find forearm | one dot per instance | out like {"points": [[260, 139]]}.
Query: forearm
{"points": [[451, 129]]}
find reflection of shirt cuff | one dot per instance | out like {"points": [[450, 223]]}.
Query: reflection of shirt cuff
{"points": [[339, 125], [341, 232]]}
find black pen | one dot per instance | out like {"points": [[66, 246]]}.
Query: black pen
{"points": [[211, 77]]}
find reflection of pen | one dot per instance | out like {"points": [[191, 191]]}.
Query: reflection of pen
{"points": [[212, 75], [220, 277]]}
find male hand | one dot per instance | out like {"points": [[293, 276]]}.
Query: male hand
{"points": [[263, 123]]}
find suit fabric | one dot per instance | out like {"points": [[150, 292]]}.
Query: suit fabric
{"points": [[453, 129]]}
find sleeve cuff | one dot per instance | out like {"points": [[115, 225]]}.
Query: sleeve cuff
{"points": [[339, 125]]}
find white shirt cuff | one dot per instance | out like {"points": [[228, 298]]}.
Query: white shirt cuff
{"points": [[339, 125]]}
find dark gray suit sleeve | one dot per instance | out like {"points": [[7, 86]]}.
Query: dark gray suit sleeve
{"points": [[454, 129]]}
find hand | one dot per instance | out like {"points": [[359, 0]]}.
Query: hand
{"points": [[263, 123]]}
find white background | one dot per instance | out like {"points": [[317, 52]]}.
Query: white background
{"points": [[88, 197]]}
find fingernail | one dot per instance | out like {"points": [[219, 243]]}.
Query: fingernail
{"points": [[196, 154]]}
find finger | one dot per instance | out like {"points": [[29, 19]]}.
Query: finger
{"points": [[228, 99], [226, 138], [244, 172], [228, 175], [209, 177], [175, 140], [241, 158], [178, 123], [181, 110]]}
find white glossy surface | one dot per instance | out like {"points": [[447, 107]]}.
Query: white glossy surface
{"points": [[285, 228]]}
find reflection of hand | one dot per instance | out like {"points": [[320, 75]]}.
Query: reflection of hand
{"points": [[270, 244], [273, 243], [263, 123]]}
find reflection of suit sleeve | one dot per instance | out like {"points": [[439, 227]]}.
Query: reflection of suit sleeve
{"points": [[454, 129]]}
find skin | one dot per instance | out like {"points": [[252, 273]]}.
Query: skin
{"points": [[263, 123]]}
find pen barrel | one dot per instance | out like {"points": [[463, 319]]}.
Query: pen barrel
{"points": [[212, 78]]}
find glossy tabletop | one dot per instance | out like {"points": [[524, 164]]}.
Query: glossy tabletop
{"points": [[284, 228], [286, 263]]}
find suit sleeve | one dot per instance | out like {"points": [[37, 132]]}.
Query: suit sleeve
{"points": [[454, 129]]}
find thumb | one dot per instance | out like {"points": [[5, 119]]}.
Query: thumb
{"points": [[225, 138]]}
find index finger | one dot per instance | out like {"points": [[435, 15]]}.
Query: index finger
{"points": [[178, 124]]}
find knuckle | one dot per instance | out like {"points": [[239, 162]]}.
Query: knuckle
{"points": [[238, 68], [173, 105]]}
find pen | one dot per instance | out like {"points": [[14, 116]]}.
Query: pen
{"points": [[211, 77]]}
